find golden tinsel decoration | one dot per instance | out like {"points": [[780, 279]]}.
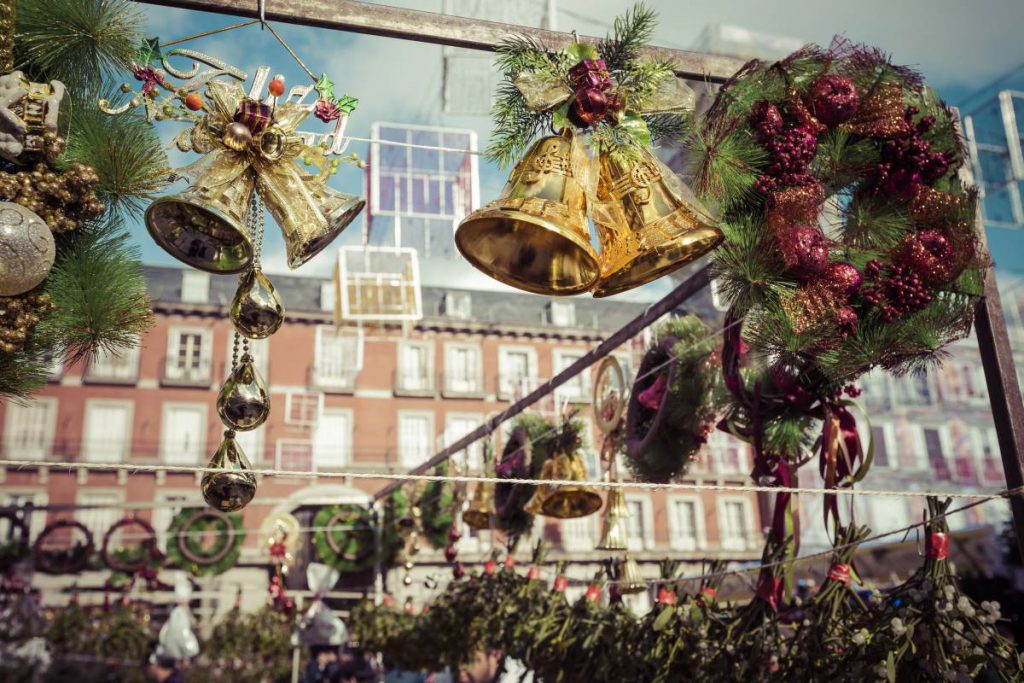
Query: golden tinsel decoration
{"points": [[794, 206], [880, 114], [18, 317], [811, 308], [933, 208]]}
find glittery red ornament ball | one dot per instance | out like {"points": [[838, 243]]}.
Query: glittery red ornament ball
{"points": [[846, 320], [458, 571], [450, 552], [804, 250], [842, 278], [276, 87], [930, 255], [766, 119], [834, 99], [590, 105]]}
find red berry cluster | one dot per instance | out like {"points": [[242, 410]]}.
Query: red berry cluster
{"points": [[897, 290], [791, 149], [591, 100], [451, 551], [909, 160]]}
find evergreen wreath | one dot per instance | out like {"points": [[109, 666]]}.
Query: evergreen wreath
{"points": [[186, 550], [344, 536], [669, 414], [66, 560], [134, 560], [845, 139]]}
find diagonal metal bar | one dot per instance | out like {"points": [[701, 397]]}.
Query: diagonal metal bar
{"points": [[690, 286], [439, 29]]}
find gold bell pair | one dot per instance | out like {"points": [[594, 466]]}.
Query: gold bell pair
{"points": [[535, 236], [563, 501]]}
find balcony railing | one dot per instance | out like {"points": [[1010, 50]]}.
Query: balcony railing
{"points": [[413, 383], [188, 375], [462, 386], [106, 369], [333, 379]]}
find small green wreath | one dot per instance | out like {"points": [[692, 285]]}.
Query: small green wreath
{"points": [[185, 547], [70, 560], [344, 536]]}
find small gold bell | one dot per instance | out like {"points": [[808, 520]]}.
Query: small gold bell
{"points": [[630, 578], [256, 310], [567, 501], [481, 509], [613, 535], [232, 486], [237, 136], [244, 402]]}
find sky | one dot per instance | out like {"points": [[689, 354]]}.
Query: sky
{"points": [[961, 48]]}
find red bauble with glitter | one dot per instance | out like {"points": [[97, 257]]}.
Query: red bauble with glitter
{"points": [[450, 552], [590, 105], [804, 250], [458, 571], [834, 99], [766, 119], [930, 255], [846, 321], [842, 278], [194, 101]]}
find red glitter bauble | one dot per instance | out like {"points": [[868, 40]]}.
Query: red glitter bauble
{"points": [[930, 255], [834, 99], [842, 278], [450, 553], [458, 571], [766, 119], [804, 250], [590, 105], [846, 321]]}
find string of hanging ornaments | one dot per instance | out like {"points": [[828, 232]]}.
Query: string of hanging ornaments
{"points": [[254, 159]]}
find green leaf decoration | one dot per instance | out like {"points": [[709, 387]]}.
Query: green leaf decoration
{"points": [[577, 52]]}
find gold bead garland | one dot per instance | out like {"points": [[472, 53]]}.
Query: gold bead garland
{"points": [[19, 315]]}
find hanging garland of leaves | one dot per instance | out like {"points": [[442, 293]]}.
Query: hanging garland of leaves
{"points": [[438, 513], [186, 536], [841, 133], [670, 410], [68, 560]]}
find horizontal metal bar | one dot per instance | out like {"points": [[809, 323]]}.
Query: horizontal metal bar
{"points": [[440, 29]]}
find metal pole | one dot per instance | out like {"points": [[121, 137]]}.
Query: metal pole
{"points": [[690, 286]]}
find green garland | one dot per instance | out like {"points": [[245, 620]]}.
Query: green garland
{"points": [[344, 536], [184, 545], [896, 275], [438, 515]]}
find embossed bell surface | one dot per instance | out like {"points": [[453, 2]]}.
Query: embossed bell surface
{"points": [[613, 533], [535, 506], [481, 509], [534, 236], [567, 501], [232, 486], [244, 402], [204, 226], [648, 222], [257, 310]]}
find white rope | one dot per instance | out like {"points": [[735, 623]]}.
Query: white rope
{"points": [[395, 143], [468, 479]]}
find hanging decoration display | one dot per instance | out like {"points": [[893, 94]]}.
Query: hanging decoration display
{"points": [[281, 534], [177, 640], [75, 548], [344, 538], [844, 139], [609, 99], [205, 542], [517, 462], [231, 485], [438, 503], [555, 453], [320, 625], [481, 513], [131, 559], [609, 402], [70, 281], [671, 411]]}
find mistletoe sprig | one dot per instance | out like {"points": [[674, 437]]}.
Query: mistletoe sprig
{"points": [[607, 90]]}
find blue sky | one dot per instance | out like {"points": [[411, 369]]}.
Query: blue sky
{"points": [[959, 46]]}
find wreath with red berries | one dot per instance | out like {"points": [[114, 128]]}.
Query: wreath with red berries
{"points": [[849, 237], [74, 554]]}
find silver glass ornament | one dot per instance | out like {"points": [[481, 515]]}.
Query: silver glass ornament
{"points": [[244, 402], [256, 310], [27, 249], [232, 486]]}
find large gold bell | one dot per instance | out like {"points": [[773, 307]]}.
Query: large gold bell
{"points": [[566, 501], [204, 226], [481, 509], [534, 236], [613, 533], [648, 222], [535, 506]]}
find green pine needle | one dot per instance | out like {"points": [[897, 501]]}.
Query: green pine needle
{"points": [[23, 373], [78, 42], [630, 33]]}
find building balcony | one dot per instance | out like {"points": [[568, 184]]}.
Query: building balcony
{"points": [[188, 375], [413, 383], [333, 379], [462, 386], [107, 369]]}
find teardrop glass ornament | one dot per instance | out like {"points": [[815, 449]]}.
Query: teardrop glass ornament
{"points": [[232, 486], [257, 310], [244, 402]]}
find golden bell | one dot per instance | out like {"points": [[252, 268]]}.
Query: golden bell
{"points": [[630, 578], [204, 226], [481, 509], [648, 222], [535, 236], [567, 501], [232, 486], [614, 532], [535, 506]]}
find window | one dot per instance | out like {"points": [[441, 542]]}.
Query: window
{"points": [[29, 428], [933, 445], [576, 389], [415, 438], [457, 305], [988, 448], [876, 388], [195, 286], [108, 428], [294, 455], [686, 523], [727, 454], [303, 408], [456, 427], [462, 369], [915, 390], [562, 313], [332, 442], [163, 515], [880, 441], [588, 451], [736, 524], [640, 522], [99, 519], [251, 443], [189, 355], [969, 381], [117, 368], [14, 498], [579, 534], [259, 349], [517, 370], [328, 295], [339, 357], [183, 440], [415, 362]]}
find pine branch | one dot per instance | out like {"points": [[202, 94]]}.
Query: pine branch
{"points": [[23, 373], [669, 128], [7, 28], [631, 32], [78, 42]]}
